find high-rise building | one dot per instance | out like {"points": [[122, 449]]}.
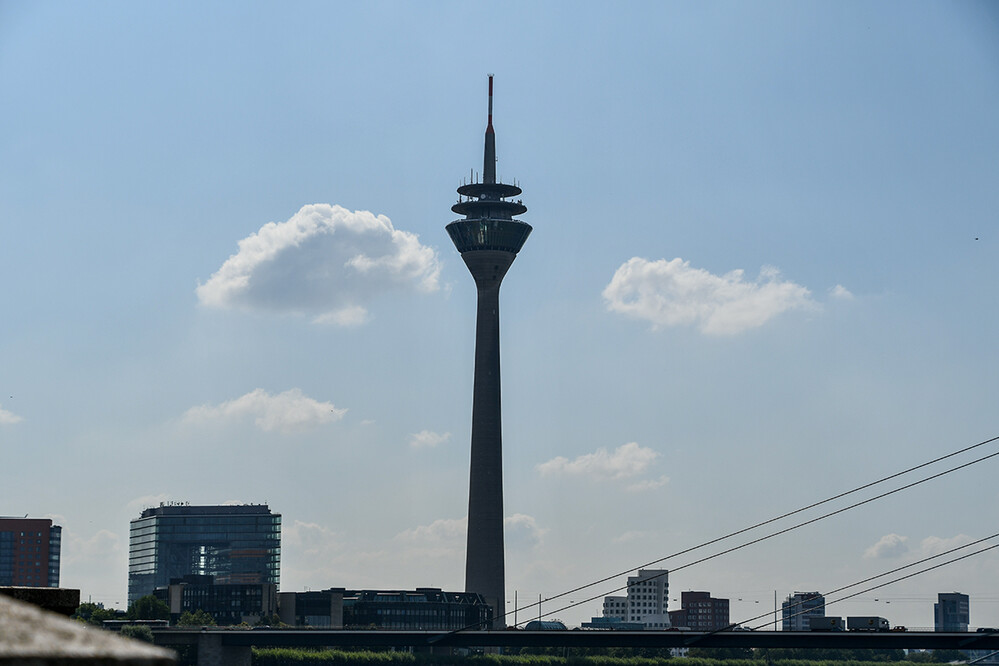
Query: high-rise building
{"points": [[799, 609], [645, 603], [951, 612], [488, 240], [234, 544], [29, 552], [699, 611]]}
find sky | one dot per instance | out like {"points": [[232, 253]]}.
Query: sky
{"points": [[762, 272]]}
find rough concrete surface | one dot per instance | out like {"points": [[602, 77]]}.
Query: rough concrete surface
{"points": [[30, 636]]}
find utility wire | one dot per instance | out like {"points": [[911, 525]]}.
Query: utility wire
{"points": [[772, 520], [880, 575], [765, 522], [901, 578]]}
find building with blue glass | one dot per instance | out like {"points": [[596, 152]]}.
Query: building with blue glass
{"points": [[30, 549], [234, 544]]}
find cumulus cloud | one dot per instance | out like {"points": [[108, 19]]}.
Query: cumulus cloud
{"points": [[440, 531], [672, 293], [890, 545], [427, 439], [648, 484], [521, 529], [632, 535], [934, 545], [100, 547], [325, 261], [625, 461], [286, 412], [8, 418], [309, 539], [841, 293]]}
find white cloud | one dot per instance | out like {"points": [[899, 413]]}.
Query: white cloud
{"points": [[521, 530], [309, 539], [427, 439], [648, 484], [324, 261], [440, 531], [890, 545], [626, 461], [9, 418], [672, 293], [100, 547], [841, 293], [447, 535], [287, 411], [631, 535], [934, 545]]}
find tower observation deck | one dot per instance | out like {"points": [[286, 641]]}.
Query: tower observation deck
{"points": [[488, 239]]}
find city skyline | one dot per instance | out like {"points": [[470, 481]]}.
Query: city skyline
{"points": [[763, 273]]}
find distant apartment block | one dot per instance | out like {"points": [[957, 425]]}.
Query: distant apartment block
{"points": [[951, 612], [646, 600], [233, 544], [30, 549], [700, 611], [799, 609]]}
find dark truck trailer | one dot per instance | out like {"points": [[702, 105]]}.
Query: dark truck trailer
{"points": [[867, 623], [826, 623]]}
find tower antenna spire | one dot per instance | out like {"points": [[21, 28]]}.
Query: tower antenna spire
{"points": [[489, 158]]}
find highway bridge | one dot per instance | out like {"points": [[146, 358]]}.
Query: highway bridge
{"points": [[232, 646]]}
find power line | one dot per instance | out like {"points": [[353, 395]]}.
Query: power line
{"points": [[772, 520], [886, 573]]}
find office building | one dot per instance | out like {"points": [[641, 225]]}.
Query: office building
{"points": [[227, 603], [699, 611], [425, 608], [234, 544], [645, 603], [30, 549], [951, 612], [799, 609], [488, 239]]}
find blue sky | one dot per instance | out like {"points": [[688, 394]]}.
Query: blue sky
{"points": [[762, 272]]}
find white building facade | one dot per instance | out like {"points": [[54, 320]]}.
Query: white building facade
{"points": [[648, 594]]}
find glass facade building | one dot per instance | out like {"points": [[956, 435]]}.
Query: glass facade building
{"points": [[952, 612], [234, 544], [30, 550]]}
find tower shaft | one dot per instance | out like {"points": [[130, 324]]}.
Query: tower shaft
{"points": [[484, 557]]}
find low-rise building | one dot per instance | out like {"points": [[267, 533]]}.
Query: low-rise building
{"points": [[428, 608], [227, 603], [699, 611]]}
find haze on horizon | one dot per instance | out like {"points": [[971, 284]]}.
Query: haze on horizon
{"points": [[763, 271]]}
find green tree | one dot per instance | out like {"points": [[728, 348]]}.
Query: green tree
{"points": [[198, 618], [947, 656], [721, 653], [93, 613], [148, 608], [139, 632]]}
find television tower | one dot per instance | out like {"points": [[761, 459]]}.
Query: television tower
{"points": [[488, 240]]}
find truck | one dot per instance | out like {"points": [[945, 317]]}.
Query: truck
{"points": [[867, 623], [825, 623]]}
